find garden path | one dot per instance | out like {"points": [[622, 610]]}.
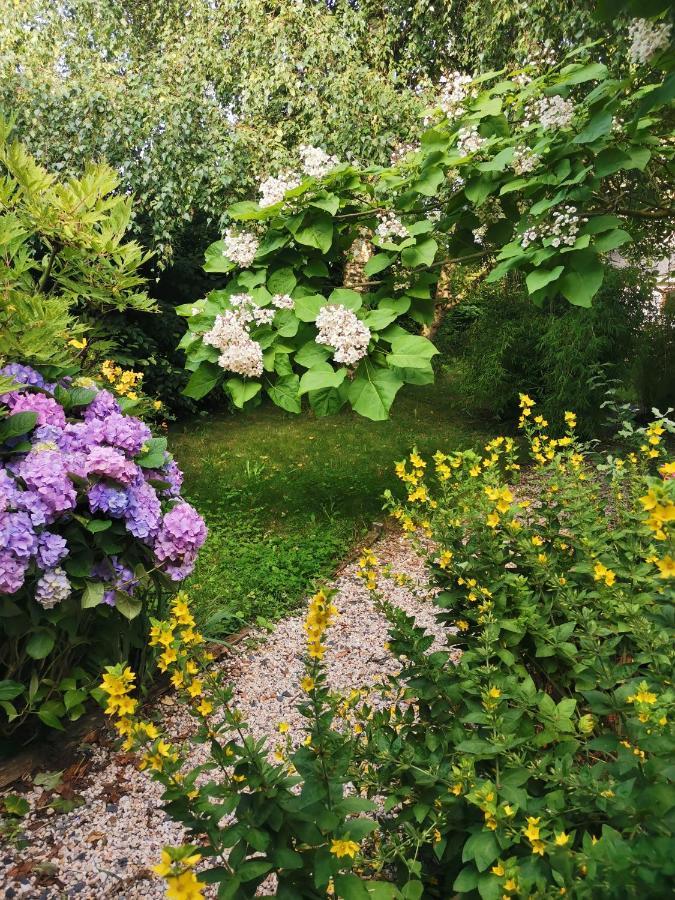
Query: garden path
{"points": [[105, 847]]}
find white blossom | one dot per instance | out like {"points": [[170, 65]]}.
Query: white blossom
{"points": [[400, 151], [469, 140], [231, 335], [316, 162], [550, 112], [241, 248], [283, 301], [524, 160], [647, 39], [454, 91], [273, 190], [561, 231], [390, 226], [339, 328]]}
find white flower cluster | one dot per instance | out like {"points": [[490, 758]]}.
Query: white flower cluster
{"points": [[550, 112], [524, 160], [391, 226], [316, 162], [469, 141], [273, 190], [283, 301], [240, 248], [340, 329], [563, 229], [230, 334], [400, 151], [454, 91], [647, 39], [479, 234]]}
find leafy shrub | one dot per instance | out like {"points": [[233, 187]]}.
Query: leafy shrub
{"points": [[92, 533], [497, 344], [654, 371], [535, 764]]}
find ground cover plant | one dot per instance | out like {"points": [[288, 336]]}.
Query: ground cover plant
{"points": [[286, 497], [531, 767]]}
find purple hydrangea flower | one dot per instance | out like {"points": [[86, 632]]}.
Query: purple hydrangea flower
{"points": [[52, 588], [169, 473], [144, 512], [23, 374], [9, 491], [49, 412], [51, 549], [17, 534], [123, 432], [182, 534], [45, 474], [120, 577], [108, 499], [103, 404], [111, 463], [12, 571]]}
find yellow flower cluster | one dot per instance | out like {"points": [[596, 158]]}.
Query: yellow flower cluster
{"points": [[367, 569], [661, 509], [124, 381], [654, 435], [319, 616], [526, 403], [342, 848], [602, 573], [176, 867]]}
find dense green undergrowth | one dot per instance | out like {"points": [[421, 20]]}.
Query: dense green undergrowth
{"points": [[285, 497]]}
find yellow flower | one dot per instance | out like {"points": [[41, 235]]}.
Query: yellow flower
{"points": [[525, 401], [571, 419], [282, 727], [498, 870], [157, 404], [537, 541], [532, 830], [538, 847], [445, 559], [474, 471], [164, 867], [668, 470], [205, 708], [195, 688], [494, 692], [666, 567], [79, 345], [307, 684], [492, 520], [456, 789], [462, 625], [177, 679], [562, 839], [511, 885], [341, 848], [602, 573], [184, 887]]}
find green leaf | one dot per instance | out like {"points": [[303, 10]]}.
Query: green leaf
{"points": [[312, 354], [350, 887], [50, 713], [285, 393], [316, 268], [40, 644], [466, 880], [316, 231], [422, 254], [541, 277], [215, 260], [399, 305], [92, 595], [327, 401], [373, 390], [282, 281], [308, 308], [377, 319], [16, 425], [154, 455], [345, 297], [377, 263], [253, 868], [203, 380], [498, 162], [321, 376], [327, 201], [411, 351], [481, 847], [241, 391], [10, 690], [582, 282], [610, 240], [600, 124], [128, 606], [429, 181], [246, 210], [16, 805], [575, 75]]}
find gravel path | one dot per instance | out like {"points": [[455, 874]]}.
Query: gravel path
{"points": [[104, 848]]}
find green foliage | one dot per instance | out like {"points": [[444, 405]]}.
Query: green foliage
{"points": [[495, 344], [540, 755], [464, 195], [63, 258]]}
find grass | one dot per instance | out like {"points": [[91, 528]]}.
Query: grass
{"points": [[285, 497]]}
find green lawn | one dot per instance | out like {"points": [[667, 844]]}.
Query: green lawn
{"points": [[286, 496]]}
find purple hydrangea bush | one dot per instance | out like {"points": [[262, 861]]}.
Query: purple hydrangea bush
{"points": [[92, 525]]}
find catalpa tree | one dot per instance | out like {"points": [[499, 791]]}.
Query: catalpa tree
{"points": [[544, 173]]}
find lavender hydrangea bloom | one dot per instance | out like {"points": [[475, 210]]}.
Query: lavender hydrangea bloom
{"points": [[46, 475], [144, 512], [12, 571], [182, 534], [49, 412], [103, 404], [9, 491], [171, 474], [52, 588], [17, 534], [51, 549], [120, 577], [23, 374], [123, 432], [108, 499], [111, 463]]}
